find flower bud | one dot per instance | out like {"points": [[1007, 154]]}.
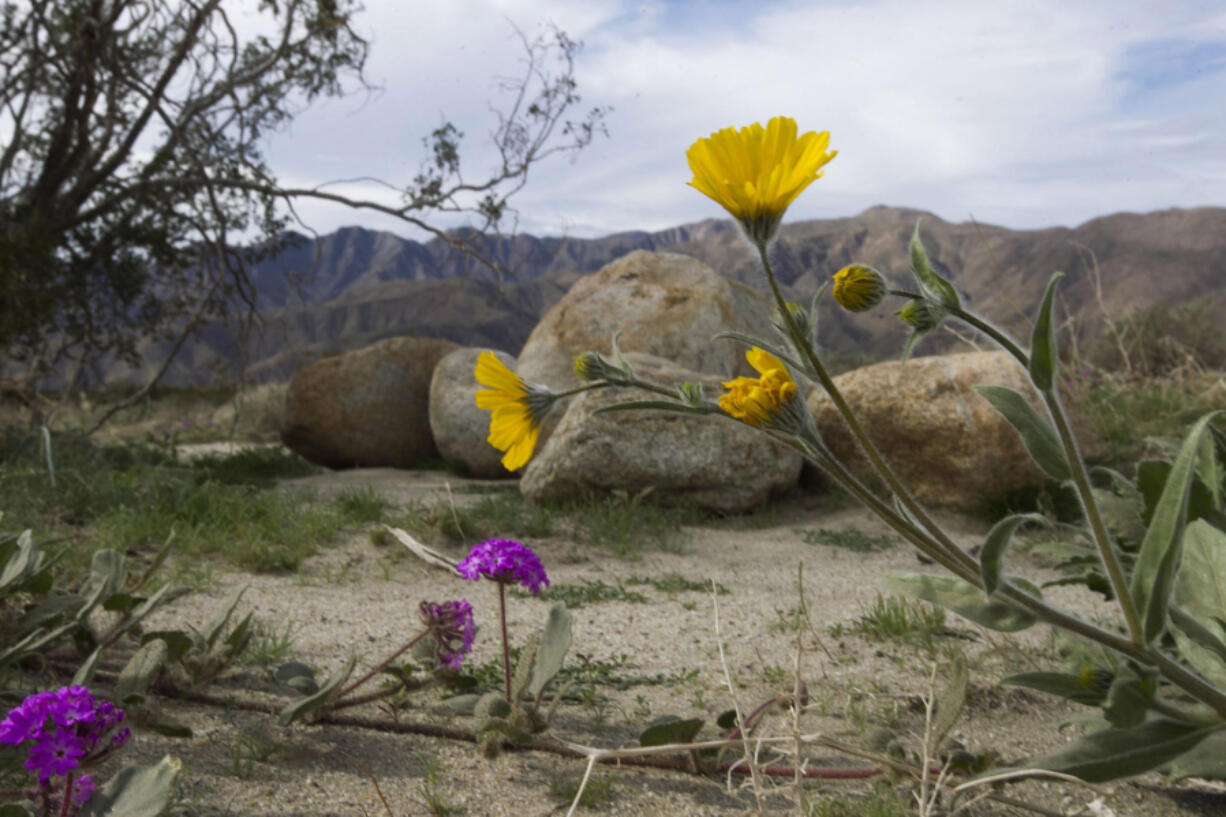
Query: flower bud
{"points": [[859, 288], [799, 316], [920, 314], [593, 367]]}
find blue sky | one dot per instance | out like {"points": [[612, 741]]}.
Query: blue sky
{"points": [[1025, 114]]}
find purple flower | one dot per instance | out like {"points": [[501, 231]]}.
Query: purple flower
{"points": [[55, 754], [450, 622], [83, 789], [68, 728], [505, 561]]}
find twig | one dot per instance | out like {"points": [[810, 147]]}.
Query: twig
{"points": [[736, 707]]}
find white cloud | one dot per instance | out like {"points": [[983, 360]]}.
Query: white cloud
{"points": [[1017, 112]]}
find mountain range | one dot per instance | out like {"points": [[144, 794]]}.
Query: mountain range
{"points": [[349, 288]]}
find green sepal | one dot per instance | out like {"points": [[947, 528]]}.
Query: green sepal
{"points": [[1043, 342], [659, 405], [932, 283], [1037, 436]]}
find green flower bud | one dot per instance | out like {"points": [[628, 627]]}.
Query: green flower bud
{"points": [[798, 315], [920, 314], [859, 288], [593, 367]]}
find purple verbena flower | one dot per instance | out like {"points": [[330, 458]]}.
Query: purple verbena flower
{"points": [[505, 561], [450, 622], [55, 753], [68, 728]]}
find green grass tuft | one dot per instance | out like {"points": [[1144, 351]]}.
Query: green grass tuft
{"points": [[894, 618]]}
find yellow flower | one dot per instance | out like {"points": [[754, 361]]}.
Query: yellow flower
{"points": [[755, 173], [759, 400], [858, 288], [517, 409]]}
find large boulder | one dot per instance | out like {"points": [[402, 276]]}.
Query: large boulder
{"points": [[365, 408], [459, 427], [946, 443], [663, 304], [713, 462]]}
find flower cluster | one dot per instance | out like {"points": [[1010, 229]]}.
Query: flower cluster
{"points": [[505, 561], [453, 628], [67, 729], [758, 401]]}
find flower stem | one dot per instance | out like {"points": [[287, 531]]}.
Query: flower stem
{"points": [[383, 665], [506, 646], [1080, 477], [67, 795], [879, 464]]}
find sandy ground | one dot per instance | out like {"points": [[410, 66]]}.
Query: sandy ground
{"points": [[361, 597]]}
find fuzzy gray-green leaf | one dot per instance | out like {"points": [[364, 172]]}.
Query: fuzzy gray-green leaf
{"points": [[1043, 353], [963, 598], [555, 643], [1115, 753], [1198, 600], [670, 729], [321, 696], [1154, 571], [141, 670], [1037, 436], [991, 555], [928, 278], [135, 791]]}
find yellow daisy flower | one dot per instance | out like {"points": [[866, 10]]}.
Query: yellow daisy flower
{"points": [[517, 409], [759, 400], [755, 173], [858, 288]]}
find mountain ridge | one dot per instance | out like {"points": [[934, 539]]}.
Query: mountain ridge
{"points": [[348, 288]]}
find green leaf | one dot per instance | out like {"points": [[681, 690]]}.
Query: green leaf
{"points": [[297, 675], [726, 719], [492, 704], [23, 559], [135, 791], [1037, 436], [120, 602], [320, 697], [1198, 601], [1128, 699], [523, 668], [964, 599], [1057, 683], [991, 555], [213, 631], [1154, 571], [932, 283], [169, 729], [1209, 470], [555, 642], [670, 729], [1043, 353], [1151, 479], [17, 810], [1207, 759], [462, 704], [952, 700], [1115, 753], [141, 670]]}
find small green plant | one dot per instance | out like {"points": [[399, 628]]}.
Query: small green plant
{"points": [[894, 618], [881, 802], [675, 583], [598, 791], [258, 465], [431, 796], [267, 645], [363, 506], [851, 539], [588, 591]]}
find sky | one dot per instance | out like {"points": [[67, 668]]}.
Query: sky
{"points": [[1024, 114]]}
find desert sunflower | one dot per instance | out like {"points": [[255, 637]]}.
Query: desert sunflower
{"points": [[759, 401], [756, 172], [516, 407]]}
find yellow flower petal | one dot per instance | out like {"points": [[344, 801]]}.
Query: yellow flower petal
{"points": [[513, 427], [755, 173]]}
